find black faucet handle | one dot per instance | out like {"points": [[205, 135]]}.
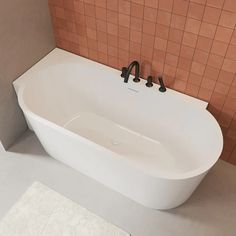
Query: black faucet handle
{"points": [[136, 79], [149, 81], [123, 72], [162, 85]]}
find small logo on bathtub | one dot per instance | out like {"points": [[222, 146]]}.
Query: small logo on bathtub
{"points": [[134, 90], [115, 142]]}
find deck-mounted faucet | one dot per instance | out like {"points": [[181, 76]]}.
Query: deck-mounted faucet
{"points": [[127, 71]]}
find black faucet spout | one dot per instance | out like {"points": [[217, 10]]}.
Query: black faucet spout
{"points": [[129, 70]]}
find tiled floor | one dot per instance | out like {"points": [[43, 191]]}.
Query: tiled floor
{"points": [[211, 211]]}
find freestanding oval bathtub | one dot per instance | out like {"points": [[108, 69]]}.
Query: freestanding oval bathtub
{"points": [[152, 147]]}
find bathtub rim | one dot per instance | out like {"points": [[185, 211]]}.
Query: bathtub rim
{"points": [[164, 176]]}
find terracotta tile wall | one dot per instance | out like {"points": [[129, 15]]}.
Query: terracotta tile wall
{"points": [[191, 42]]}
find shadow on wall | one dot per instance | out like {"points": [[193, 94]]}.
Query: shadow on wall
{"points": [[12, 122], [26, 145], [25, 37]]}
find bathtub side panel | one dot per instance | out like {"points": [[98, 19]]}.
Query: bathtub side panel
{"points": [[111, 171]]}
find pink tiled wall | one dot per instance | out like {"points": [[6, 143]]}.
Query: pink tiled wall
{"points": [[191, 42]]}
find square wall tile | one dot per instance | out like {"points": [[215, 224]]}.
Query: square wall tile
{"points": [[192, 43]]}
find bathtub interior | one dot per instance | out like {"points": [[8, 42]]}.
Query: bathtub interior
{"points": [[149, 129]]}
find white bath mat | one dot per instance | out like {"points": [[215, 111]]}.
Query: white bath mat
{"points": [[44, 212]]}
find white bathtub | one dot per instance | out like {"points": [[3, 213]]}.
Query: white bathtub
{"points": [[152, 147]]}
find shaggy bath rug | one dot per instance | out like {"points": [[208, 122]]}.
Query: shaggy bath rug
{"points": [[44, 212]]}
